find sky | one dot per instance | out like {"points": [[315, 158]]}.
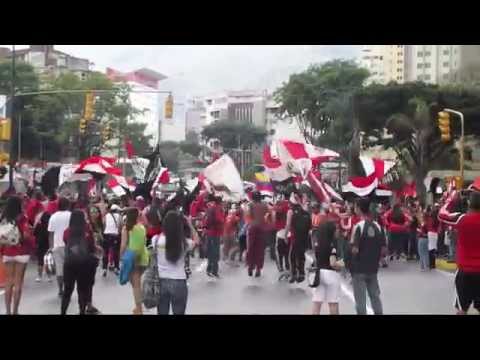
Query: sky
{"points": [[197, 70]]}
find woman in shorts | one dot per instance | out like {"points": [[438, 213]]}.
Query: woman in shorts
{"points": [[15, 258]]}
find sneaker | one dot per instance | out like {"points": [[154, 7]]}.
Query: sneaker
{"points": [[49, 279], [292, 279], [300, 279], [216, 275], [209, 274], [38, 279], [257, 273], [384, 265], [92, 310], [104, 273], [250, 272], [116, 271]]}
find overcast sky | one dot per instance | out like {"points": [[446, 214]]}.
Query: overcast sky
{"points": [[203, 69]]}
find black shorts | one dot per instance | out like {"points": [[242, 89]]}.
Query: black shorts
{"points": [[467, 286]]}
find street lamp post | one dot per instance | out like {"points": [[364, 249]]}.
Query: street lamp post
{"points": [[462, 141]]}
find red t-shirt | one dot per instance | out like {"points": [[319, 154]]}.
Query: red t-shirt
{"points": [[214, 221], [34, 207], [281, 208], [231, 225], [26, 245], [468, 243], [52, 207]]}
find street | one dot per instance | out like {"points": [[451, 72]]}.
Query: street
{"points": [[405, 290]]}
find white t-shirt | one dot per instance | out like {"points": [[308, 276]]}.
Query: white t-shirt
{"points": [[166, 269], [57, 224], [112, 226]]}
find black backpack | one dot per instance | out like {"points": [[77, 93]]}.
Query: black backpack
{"points": [[76, 251], [370, 246]]}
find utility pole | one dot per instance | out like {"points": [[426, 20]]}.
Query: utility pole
{"points": [[11, 187]]}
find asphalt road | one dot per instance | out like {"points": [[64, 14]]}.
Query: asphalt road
{"points": [[405, 290]]}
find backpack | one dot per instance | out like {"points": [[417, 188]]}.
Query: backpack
{"points": [[9, 233], [370, 245], [76, 251]]}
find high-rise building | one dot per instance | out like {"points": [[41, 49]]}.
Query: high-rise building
{"points": [[385, 63], [434, 64]]}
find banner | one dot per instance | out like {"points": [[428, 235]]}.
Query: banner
{"points": [[225, 178]]}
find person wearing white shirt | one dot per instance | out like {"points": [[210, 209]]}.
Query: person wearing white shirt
{"points": [[171, 246], [111, 243], [57, 225]]}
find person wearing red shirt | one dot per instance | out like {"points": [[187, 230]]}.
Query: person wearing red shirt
{"points": [[15, 258], [279, 218], [256, 235], [467, 279], [397, 222], [52, 205], [229, 232], [214, 229], [34, 207]]}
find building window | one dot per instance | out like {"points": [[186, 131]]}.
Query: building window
{"points": [[428, 53], [215, 114], [419, 77], [399, 70], [427, 77], [420, 54], [428, 65], [446, 52], [446, 64], [381, 57], [419, 65], [446, 76], [399, 61], [209, 102], [400, 54]]}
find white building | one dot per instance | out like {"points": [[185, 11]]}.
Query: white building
{"points": [[144, 82]]}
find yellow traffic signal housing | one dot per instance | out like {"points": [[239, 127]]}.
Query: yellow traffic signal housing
{"points": [[83, 125], [5, 130], [444, 126], [169, 107], [89, 106], [4, 158]]}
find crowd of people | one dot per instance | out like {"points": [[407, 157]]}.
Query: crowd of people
{"points": [[341, 239]]}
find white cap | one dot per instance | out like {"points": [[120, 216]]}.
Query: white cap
{"points": [[114, 207]]}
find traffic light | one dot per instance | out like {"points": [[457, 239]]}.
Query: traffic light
{"points": [[169, 107], [444, 126], [83, 125], [5, 130], [89, 106]]}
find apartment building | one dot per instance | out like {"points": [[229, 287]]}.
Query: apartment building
{"points": [[385, 63]]}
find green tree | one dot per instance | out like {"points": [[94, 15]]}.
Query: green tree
{"points": [[170, 152], [319, 99], [234, 134], [191, 148]]}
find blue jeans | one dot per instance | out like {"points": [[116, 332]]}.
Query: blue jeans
{"points": [[452, 249], [175, 293], [423, 253], [363, 283], [213, 254]]}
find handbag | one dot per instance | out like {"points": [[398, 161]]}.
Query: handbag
{"points": [[126, 267], [151, 281], [9, 233]]}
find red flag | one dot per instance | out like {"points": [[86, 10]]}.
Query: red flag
{"points": [[129, 148]]}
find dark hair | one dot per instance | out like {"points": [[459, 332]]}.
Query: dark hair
{"points": [[326, 232], [13, 208], [153, 216], [63, 204], [77, 224], [364, 205], [37, 195], [99, 221], [174, 235], [44, 219], [475, 201], [52, 197], [132, 218]]}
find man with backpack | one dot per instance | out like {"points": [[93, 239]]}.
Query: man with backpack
{"points": [[367, 246], [214, 230], [299, 224]]}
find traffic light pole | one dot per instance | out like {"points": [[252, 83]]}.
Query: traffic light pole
{"points": [[462, 142]]}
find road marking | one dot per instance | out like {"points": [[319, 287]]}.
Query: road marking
{"points": [[201, 267], [446, 273], [349, 294]]}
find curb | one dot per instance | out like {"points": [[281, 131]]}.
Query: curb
{"points": [[445, 266]]}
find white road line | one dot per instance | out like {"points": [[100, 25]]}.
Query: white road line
{"points": [[346, 290], [446, 273], [201, 267]]}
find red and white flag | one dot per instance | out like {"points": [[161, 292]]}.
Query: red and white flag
{"points": [[163, 177], [115, 186], [100, 165], [375, 170], [284, 158], [323, 192]]}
